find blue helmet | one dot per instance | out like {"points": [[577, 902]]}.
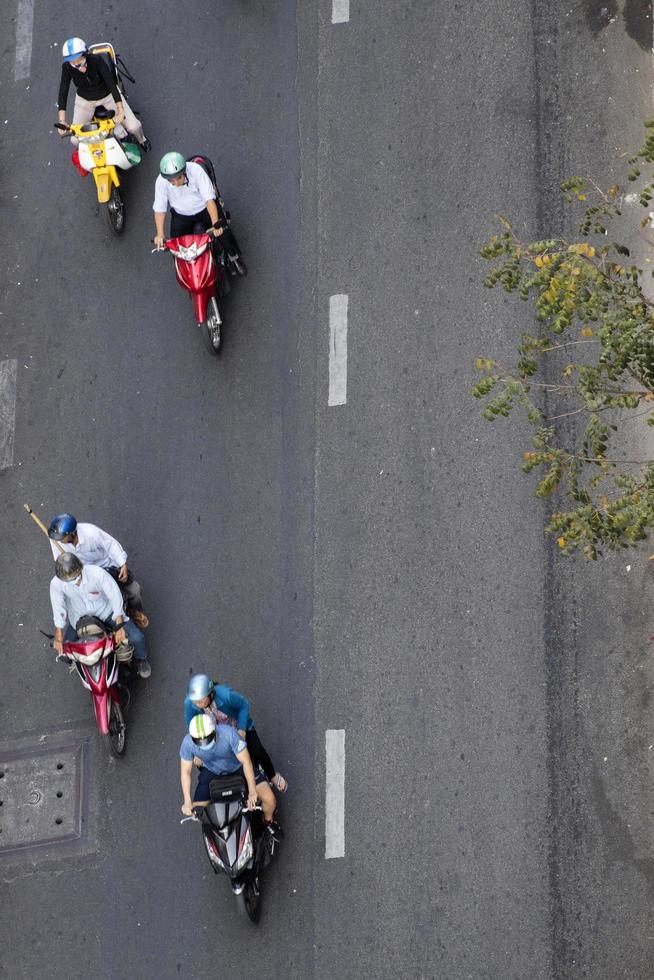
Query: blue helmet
{"points": [[73, 48], [61, 525], [200, 686]]}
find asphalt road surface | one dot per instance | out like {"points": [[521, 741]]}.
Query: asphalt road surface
{"points": [[376, 566]]}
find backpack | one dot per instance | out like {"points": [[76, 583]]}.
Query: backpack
{"points": [[106, 51]]}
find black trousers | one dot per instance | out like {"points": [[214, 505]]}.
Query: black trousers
{"points": [[184, 224], [258, 754]]}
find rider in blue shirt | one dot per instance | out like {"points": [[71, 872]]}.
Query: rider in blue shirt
{"points": [[229, 707], [222, 751]]}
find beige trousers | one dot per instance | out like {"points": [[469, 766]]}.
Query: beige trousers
{"points": [[83, 113]]}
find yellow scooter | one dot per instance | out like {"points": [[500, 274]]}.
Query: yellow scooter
{"points": [[103, 154]]}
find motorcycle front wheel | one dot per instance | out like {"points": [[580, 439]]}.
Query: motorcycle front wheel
{"points": [[249, 901], [115, 212], [210, 328], [116, 738]]}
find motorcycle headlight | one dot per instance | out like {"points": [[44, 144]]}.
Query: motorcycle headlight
{"points": [[95, 670], [189, 252], [246, 853]]}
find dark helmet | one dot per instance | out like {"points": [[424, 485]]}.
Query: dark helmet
{"points": [[61, 525], [68, 567]]}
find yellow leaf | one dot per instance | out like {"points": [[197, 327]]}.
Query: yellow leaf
{"points": [[587, 332], [561, 542], [526, 455], [582, 197], [567, 370], [538, 262], [591, 252]]}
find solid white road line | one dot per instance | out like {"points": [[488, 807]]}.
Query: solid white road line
{"points": [[8, 373], [340, 11], [337, 349], [335, 793], [24, 25]]}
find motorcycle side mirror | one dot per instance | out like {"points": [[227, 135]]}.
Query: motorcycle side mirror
{"points": [[62, 126], [48, 636]]}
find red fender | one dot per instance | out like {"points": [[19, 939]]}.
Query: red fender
{"points": [[101, 708]]}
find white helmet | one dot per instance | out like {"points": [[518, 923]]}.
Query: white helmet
{"points": [[73, 48], [202, 729]]}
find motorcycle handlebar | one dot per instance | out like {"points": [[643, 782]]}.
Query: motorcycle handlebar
{"points": [[197, 819]]}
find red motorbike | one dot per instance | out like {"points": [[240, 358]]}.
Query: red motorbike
{"points": [[204, 266], [98, 661]]}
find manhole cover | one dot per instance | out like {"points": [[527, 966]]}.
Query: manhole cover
{"points": [[43, 794]]}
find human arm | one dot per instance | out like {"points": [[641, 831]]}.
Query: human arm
{"points": [[58, 642], [64, 86], [103, 581], [213, 214], [185, 770], [248, 771], [235, 704], [59, 615], [160, 208], [159, 223]]}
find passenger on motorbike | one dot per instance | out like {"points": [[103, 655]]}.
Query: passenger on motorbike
{"points": [[93, 546], [96, 86], [222, 752], [87, 590], [228, 707]]}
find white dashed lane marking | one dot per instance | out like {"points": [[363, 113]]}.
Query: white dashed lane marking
{"points": [[8, 373], [24, 25], [335, 793], [340, 11], [337, 349]]}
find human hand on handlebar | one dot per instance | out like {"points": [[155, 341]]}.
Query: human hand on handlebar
{"points": [[158, 241], [58, 647], [253, 799], [120, 636], [216, 232], [187, 809]]}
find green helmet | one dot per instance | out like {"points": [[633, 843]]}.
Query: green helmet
{"points": [[172, 165]]}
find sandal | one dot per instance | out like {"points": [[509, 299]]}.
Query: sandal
{"points": [[279, 782]]}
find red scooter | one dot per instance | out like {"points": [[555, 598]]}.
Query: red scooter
{"points": [[98, 660], [204, 268]]}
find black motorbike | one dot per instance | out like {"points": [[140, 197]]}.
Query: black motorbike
{"points": [[236, 841]]}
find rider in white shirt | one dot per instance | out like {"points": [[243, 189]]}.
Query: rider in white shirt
{"points": [[93, 546]]}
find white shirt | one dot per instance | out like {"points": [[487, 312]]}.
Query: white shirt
{"points": [[94, 547], [96, 595], [190, 198]]}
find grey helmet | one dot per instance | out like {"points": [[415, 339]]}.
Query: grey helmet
{"points": [[200, 686], [68, 567]]}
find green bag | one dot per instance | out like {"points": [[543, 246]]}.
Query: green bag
{"points": [[133, 153]]}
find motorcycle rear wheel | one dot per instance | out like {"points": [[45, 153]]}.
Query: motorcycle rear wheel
{"points": [[115, 212], [210, 328], [116, 738], [249, 901]]}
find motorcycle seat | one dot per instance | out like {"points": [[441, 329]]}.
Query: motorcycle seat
{"points": [[90, 627]]}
